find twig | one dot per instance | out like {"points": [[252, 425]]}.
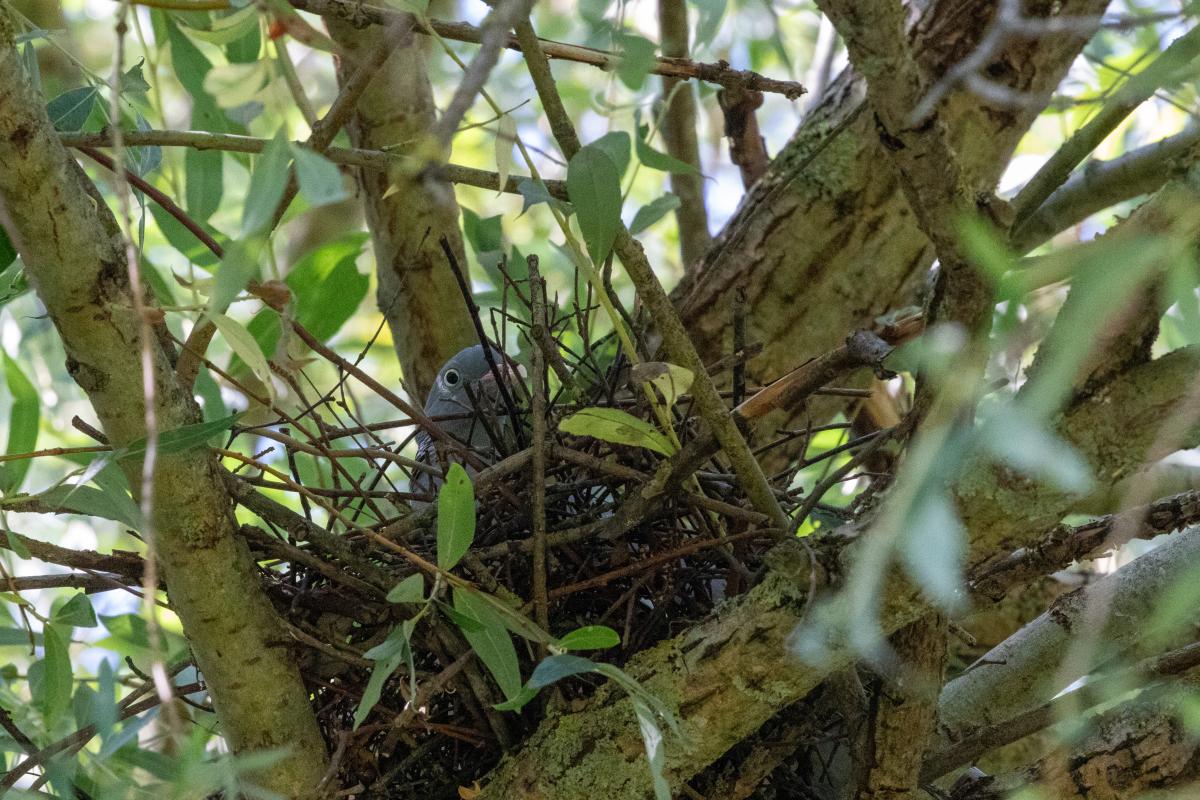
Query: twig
{"points": [[381, 160], [720, 72], [537, 297], [493, 35]]}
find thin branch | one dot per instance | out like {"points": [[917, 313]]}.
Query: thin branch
{"points": [[719, 73], [493, 36], [381, 160], [537, 297], [1103, 184], [1141, 87]]}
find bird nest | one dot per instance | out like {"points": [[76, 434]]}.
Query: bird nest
{"points": [[407, 627]]}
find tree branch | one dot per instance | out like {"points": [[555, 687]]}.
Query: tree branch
{"points": [[71, 247], [679, 134], [719, 73]]}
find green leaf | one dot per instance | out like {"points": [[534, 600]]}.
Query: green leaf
{"points": [[91, 502], [228, 28], [134, 80], [510, 617], [180, 440], [933, 546], [493, 644], [204, 181], [594, 185], [590, 637], [52, 693], [267, 183], [1029, 446], [671, 380], [16, 545], [8, 253], [637, 59], [555, 668], [711, 12], [17, 637], [615, 144], [76, 612], [506, 137], [652, 738], [24, 419], [71, 109], [455, 517], [656, 159], [388, 657], [652, 212], [241, 342], [237, 268], [321, 182], [409, 590], [535, 191], [467, 623], [129, 636], [184, 240], [616, 426]]}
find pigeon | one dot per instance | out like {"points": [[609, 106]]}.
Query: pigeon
{"points": [[466, 392]]}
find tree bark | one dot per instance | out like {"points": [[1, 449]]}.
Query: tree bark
{"points": [[826, 241], [418, 295], [71, 247]]}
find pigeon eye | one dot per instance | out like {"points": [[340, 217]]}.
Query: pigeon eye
{"points": [[452, 378]]}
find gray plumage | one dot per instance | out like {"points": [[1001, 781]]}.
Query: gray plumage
{"points": [[466, 389]]}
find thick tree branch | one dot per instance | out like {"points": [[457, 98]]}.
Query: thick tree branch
{"points": [[825, 241], [1028, 668], [71, 248], [1139, 747], [930, 173], [407, 213]]}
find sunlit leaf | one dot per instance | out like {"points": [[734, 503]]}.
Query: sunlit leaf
{"points": [[594, 185], [242, 342], [652, 738], [455, 518], [506, 136], [616, 426], [671, 380], [24, 419]]}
